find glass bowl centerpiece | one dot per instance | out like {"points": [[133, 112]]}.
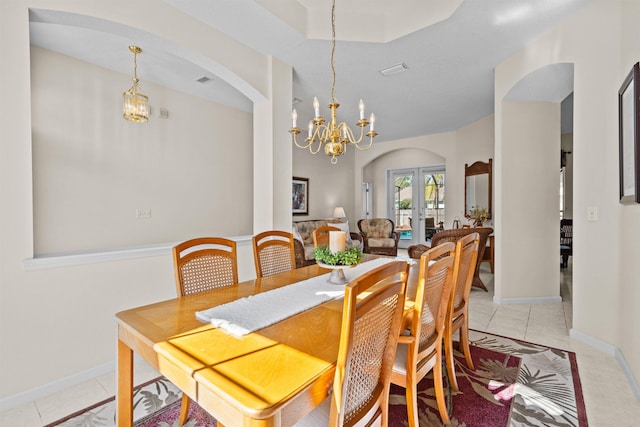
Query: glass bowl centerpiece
{"points": [[337, 261]]}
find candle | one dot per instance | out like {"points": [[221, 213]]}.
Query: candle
{"points": [[337, 241], [294, 117], [310, 128], [361, 106], [372, 120], [316, 106]]}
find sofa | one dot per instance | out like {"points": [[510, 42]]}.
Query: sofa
{"points": [[303, 238]]}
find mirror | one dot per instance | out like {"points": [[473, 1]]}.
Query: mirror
{"points": [[477, 185]]}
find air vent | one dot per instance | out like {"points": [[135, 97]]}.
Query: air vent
{"points": [[203, 79], [296, 101], [394, 69]]}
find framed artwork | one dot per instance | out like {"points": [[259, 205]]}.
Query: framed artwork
{"points": [[629, 134], [300, 196]]}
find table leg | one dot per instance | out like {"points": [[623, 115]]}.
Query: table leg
{"points": [[124, 401]]}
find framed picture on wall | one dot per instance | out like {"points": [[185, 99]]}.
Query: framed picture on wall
{"points": [[300, 196], [629, 135]]}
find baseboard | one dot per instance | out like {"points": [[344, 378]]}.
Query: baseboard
{"points": [[56, 386], [615, 352], [635, 387], [533, 300]]}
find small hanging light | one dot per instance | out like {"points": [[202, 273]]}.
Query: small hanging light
{"points": [[135, 105]]}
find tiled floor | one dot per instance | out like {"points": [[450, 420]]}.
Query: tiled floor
{"points": [[607, 394]]}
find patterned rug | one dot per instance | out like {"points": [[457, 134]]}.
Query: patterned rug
{"points": [[515, 384]]}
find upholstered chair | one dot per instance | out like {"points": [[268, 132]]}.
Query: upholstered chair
{"points": [[379, 236]]}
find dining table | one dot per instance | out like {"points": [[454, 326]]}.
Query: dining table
{"points": [[273, 376]]}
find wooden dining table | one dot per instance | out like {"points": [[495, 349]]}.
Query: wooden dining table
{"points": [[270, 377]]}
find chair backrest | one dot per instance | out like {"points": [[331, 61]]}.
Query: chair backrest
{"points": [[566, 232], [376, 227], [466, 258], [321, 235], [204, 263], [453, 235], [435, 284], [371, 322], [273, 252]]}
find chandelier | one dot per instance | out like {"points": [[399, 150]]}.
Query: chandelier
{"points": [[135, 105], [335, 136]]}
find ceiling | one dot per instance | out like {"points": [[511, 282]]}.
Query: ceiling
{"points": [[450, 49]]}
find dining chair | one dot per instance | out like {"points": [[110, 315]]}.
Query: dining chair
{"points": [[273, 252], [201, 264], [371, 323], [321, 235], [466, 257], [420, 347]]}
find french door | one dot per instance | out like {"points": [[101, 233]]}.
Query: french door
{"points": [[416, 200]]}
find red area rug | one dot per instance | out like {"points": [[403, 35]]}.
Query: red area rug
{"points": [[515, 383]]}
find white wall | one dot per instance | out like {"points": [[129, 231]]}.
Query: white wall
{"points": [[92, 169], [329, 185], [531, 143], [601, 41], [58, 324]]}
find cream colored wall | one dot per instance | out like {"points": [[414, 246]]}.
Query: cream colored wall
{"points": [[57, 325], [329, 185], [92, 169], [605, 298], [531, 142], [629, 220]]}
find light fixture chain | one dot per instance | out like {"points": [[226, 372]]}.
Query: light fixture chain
{"points": [[333, 50]]}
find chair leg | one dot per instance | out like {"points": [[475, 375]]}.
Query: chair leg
{"points": [[439, 389], [184, 409], [448, 356], [412, 401], [464, 343]]}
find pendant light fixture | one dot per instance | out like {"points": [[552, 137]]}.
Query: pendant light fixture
{"points": [[134, 104], [335, 136]]}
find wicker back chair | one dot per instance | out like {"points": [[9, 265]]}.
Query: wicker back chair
{"points": [[201, 264], [420, 348], [205, 263], [466, 257], [371, 323], [453, 235], [321, 235], [379, 236], [273, 252]]}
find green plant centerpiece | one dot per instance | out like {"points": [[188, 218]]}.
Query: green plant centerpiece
{"points": [[347, 257], [337, 261]]}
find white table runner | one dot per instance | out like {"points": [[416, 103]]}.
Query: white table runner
{"points": [[255, 312]]}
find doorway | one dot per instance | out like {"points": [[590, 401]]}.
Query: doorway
{"points": [[416, 200]]}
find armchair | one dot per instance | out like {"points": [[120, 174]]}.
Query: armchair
{"points": [[379, 236], [452, 235]]}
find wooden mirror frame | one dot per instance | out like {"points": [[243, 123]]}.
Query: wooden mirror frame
{"points": [[479, 168]]}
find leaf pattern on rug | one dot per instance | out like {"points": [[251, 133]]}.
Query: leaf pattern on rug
{"points": [[544, 392], [540, 393]]}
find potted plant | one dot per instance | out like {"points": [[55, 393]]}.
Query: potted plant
{"points": [[337, 261], [349, 257], [478, 215]]}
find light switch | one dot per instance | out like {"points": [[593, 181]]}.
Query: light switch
{"points": [[143, 213], [592, 213]]}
